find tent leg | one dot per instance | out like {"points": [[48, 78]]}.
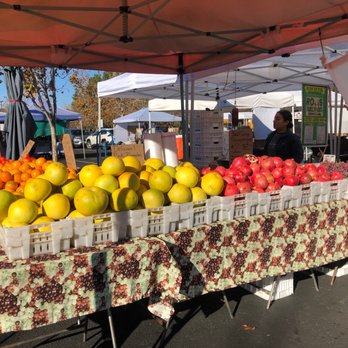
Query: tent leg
{"points": [[182, 99], [83, 141]]}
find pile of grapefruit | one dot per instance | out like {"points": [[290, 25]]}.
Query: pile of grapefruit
{"points": [[51, 191]]}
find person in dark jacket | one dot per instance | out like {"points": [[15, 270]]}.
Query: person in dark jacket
{"points": [[282, 142]]}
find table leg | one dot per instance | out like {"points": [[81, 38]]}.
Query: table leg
{"points": [[274, 285], [113, 337], [312, 274], [227, 304], [334, 275]]}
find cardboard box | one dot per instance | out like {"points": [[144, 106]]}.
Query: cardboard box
{"points": [[136, 150], [237, 142]]}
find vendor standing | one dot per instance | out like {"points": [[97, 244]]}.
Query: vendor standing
{"points": [[282, 142]]}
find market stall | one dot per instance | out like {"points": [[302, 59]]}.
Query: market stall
{"points": [[168, 268]]}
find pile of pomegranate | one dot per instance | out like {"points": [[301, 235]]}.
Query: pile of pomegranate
{"points": [[267, 174]]}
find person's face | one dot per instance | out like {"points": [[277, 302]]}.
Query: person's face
{"points": [[279, 124]]}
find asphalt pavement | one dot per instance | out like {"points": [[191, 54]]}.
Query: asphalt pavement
{"points": [[306, 319]]}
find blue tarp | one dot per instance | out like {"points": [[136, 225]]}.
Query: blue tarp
{"points": [[38, 115], [143, 115]]}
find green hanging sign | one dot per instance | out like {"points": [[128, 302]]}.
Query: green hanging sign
{"points": [[314, 115]]}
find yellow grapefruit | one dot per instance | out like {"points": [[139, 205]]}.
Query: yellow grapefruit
{"points": [[124, 199], [132, 164], [148, 168], [57, 206], [56, 173], [6, 223], [89, 174], [152, 198], [22, 211], [161, 180], [129, 179], [142, 188], [212, 183], [144, 177], [180, 193], [155, 163], [170, 170], [107, 182], [75, 214], [198, 194], [113, 166], [6, 198], [187, 176], [70, 188], [91, 200], [42, 220], [37, 189]]}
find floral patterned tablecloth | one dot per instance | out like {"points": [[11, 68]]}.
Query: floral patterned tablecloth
{"points": [[223, 255], [46, 289], [173, 267]]}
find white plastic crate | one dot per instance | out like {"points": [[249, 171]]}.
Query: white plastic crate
{"points": [[102, 228], [305, 194], [333, 190], [262, 288], [26, 241], [150, 222], [343, 270], [246, 205], [280, 199], [223, 208], [196, 213]]}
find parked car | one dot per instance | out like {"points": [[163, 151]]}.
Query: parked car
{"points": [[76, 136], [100, 137], [43, 148]]}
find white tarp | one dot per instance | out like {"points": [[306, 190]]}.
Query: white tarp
{"points": [[269, 100], [175, 104], [137, 85]]}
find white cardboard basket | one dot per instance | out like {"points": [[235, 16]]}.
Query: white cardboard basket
{"points": [[262, 288], [47, 238]]}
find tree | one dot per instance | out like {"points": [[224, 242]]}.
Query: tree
{"points": [[85, 100], [40, 87]]}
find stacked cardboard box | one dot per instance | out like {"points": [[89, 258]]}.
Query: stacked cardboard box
{"points": [[206, 137], [237, 142]]}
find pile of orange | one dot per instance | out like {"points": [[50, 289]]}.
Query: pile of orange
{"points": [[15, 173]]}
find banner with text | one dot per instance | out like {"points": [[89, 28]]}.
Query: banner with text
{"points": [[314, 115]]}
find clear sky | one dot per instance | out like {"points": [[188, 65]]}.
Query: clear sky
{"points": [[65, 92]]}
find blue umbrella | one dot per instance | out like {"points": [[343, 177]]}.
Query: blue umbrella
{"points": [[19, 124]]}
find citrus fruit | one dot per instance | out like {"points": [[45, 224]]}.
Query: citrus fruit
{"points": [[148, 168], [124, 199], [75, 214], [170, 170], [212, 183], [180, 193], [6, 198], [70, 188], [43, 220], [37, 189], [198, 194], [107, 182], [56, 173], [155, 163], [89, 174], [57, 206], [113, 166], [91, 200], [6, 223], [22, 211], [142, 188], [132, 164], [144, 177], [161, 180], [129, 179], [187, 176], [152, 198]]}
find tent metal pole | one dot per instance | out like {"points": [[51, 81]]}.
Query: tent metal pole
{"points": [[187, 115], [150, 129], [192, 101], [99, 113], [183, 118], [83, 141], [340, 129], [330, 123], [293, 117], [335, 126]]}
